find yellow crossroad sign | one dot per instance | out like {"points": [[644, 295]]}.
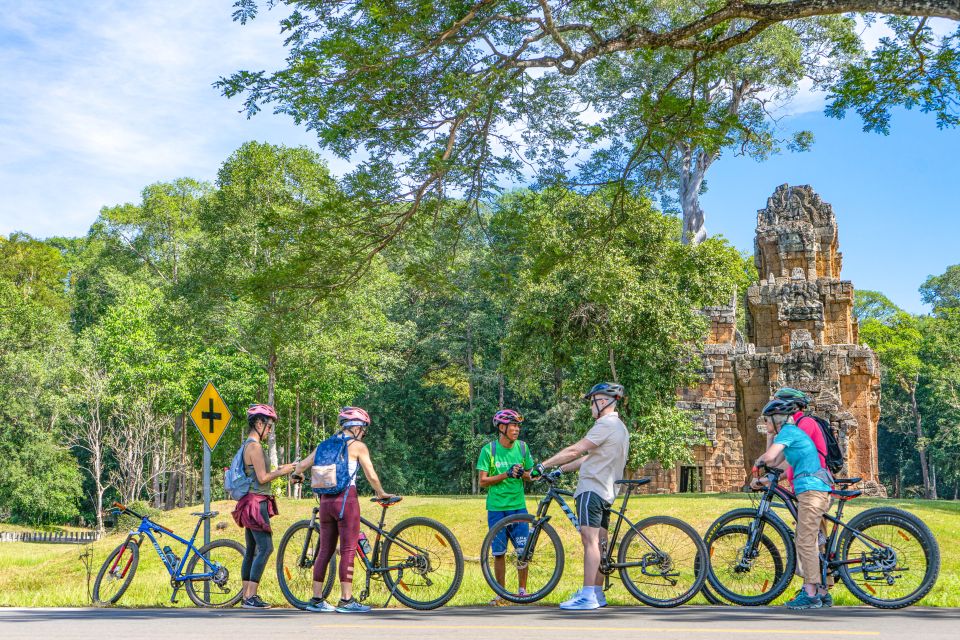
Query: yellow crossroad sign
{"points": [[210, 415]]}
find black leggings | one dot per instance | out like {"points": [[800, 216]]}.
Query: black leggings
{"points": [[259, 548]]}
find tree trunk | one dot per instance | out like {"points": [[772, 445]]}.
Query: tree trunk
{"points": [[921, 447], [173, 483], [296, 445], [182, 501], [933, 482], [156, 489], [474, 479], [271, 387], [296, 439], [288, 454], [613, 365]]}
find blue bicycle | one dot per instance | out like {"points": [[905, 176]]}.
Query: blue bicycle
{"points": [[215, 583]]}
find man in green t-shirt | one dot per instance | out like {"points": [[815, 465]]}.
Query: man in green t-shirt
{"points": [[503, 465]]}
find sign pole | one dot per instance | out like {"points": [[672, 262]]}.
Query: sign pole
{"points": [[210, 416], [206, 492], [206, 509]]}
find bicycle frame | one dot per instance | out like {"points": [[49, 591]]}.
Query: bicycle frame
{"points": [[148, 527], [607, 565], [829, 562], [374, 563]]}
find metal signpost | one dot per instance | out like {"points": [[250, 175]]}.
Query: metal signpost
{"points": [[210, 416]]}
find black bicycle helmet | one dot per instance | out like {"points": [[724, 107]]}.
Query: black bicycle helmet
{"points": [[779, 407], [611, 389], [797, 397]]}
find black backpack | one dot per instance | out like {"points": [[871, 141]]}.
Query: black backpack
{"points": [[834, 457]]}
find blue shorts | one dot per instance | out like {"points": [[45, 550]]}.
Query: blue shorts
{"points": [[516, 532]]}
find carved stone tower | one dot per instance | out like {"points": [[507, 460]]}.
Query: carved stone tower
{"points": [[801, 332]]}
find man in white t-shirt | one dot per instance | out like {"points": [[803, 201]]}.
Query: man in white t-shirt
{"points": [[600, 457]]}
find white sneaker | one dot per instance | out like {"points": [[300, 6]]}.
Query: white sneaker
{"points": [[582, 601], [601, 597]]}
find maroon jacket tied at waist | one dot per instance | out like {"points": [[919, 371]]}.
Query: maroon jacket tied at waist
{"points": [[247, 512]]}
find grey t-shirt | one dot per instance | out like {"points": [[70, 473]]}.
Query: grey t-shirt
{"points": [[604, 465]]}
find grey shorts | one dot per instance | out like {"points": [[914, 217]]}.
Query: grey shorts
{"points": [[592, 510]]}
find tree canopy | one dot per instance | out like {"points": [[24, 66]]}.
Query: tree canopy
{"points": [[455, 98]]}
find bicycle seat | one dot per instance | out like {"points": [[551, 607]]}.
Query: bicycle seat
{"points": [[847, 480], [846, 495], [206, 514], [389, 502], [637, 482]]}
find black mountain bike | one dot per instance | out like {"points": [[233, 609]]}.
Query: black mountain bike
{"points": [[419, 560], [886, 557], [659, 561]]}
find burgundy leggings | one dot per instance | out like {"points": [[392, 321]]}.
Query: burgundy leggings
{"points": [[332, 526]]}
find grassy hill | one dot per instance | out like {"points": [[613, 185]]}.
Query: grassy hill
{"points": [[38, 575]]}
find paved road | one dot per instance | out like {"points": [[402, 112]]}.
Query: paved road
{"points": [[618, 623]]}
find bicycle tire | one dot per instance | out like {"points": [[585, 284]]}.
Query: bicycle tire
{"points": [[902, 521], [295, 571], [771, 549], [125, 577], [231, 587], [404, 586], [533, 538], [789, 556], [665, 563]]}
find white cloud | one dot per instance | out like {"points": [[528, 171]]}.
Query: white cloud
{"points": [[100, 101]]}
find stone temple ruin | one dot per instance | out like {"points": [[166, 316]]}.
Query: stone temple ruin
{"points": [[801, 333]]}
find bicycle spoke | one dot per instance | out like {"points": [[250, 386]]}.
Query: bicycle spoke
{"points": [[297, 564], [534, 572], [892, 570], [428, 563], [742, 571], [224, 560], [661, 561]]}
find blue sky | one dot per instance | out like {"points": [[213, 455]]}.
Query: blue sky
{"points": [[100, 99]]}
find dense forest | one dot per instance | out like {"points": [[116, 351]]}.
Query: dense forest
{"points": [[421, 289], [260, 284]]}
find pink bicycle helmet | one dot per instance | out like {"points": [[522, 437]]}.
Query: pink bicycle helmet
{"points": [[264, 410], [353, 417], [506, 416]]}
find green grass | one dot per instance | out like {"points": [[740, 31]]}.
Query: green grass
{"points": [[38, 575]]}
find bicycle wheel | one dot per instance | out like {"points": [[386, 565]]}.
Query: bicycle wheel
{"points": [[543, 563], [664, 559], [431, 559], [224, 558], [295, 555], [749, 577], [899, 558], [116, 573]]}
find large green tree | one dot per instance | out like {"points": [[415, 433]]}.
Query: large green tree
{"points": [[271, 250], [611, 297], [435, 99], [42, 481]]}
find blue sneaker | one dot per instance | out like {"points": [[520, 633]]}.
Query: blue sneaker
{"points": [[583, 600], [318, 605], [826, 600], [804, 601], [351, 606]]}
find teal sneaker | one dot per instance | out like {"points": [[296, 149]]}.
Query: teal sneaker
{"points": [[826, 600], [804, 601], [351, 606], [318, 605]]}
